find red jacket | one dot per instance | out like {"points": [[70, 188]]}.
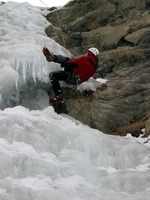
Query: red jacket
{"points": [[86, 66]]}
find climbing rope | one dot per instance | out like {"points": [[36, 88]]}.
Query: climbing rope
{"points": [[59, 24], [61, 31], [44, 3]]}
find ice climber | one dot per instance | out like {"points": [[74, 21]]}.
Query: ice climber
{"points": [[76, 71]]}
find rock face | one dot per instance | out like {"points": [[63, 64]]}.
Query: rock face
{"points": [[121, 31]]}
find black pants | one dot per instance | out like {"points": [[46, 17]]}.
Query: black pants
{"points": [[68, 76]]}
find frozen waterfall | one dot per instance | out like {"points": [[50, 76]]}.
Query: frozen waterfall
{"points": [[48, 156]]}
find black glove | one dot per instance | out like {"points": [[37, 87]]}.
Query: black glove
{"points": [[68, 65]]}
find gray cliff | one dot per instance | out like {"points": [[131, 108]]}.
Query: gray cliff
{"points": [[121, 31]]}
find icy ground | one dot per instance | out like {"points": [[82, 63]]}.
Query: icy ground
{"points": [[45, 156]]}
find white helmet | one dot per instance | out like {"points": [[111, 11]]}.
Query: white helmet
{"points": [[94, 50]]}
